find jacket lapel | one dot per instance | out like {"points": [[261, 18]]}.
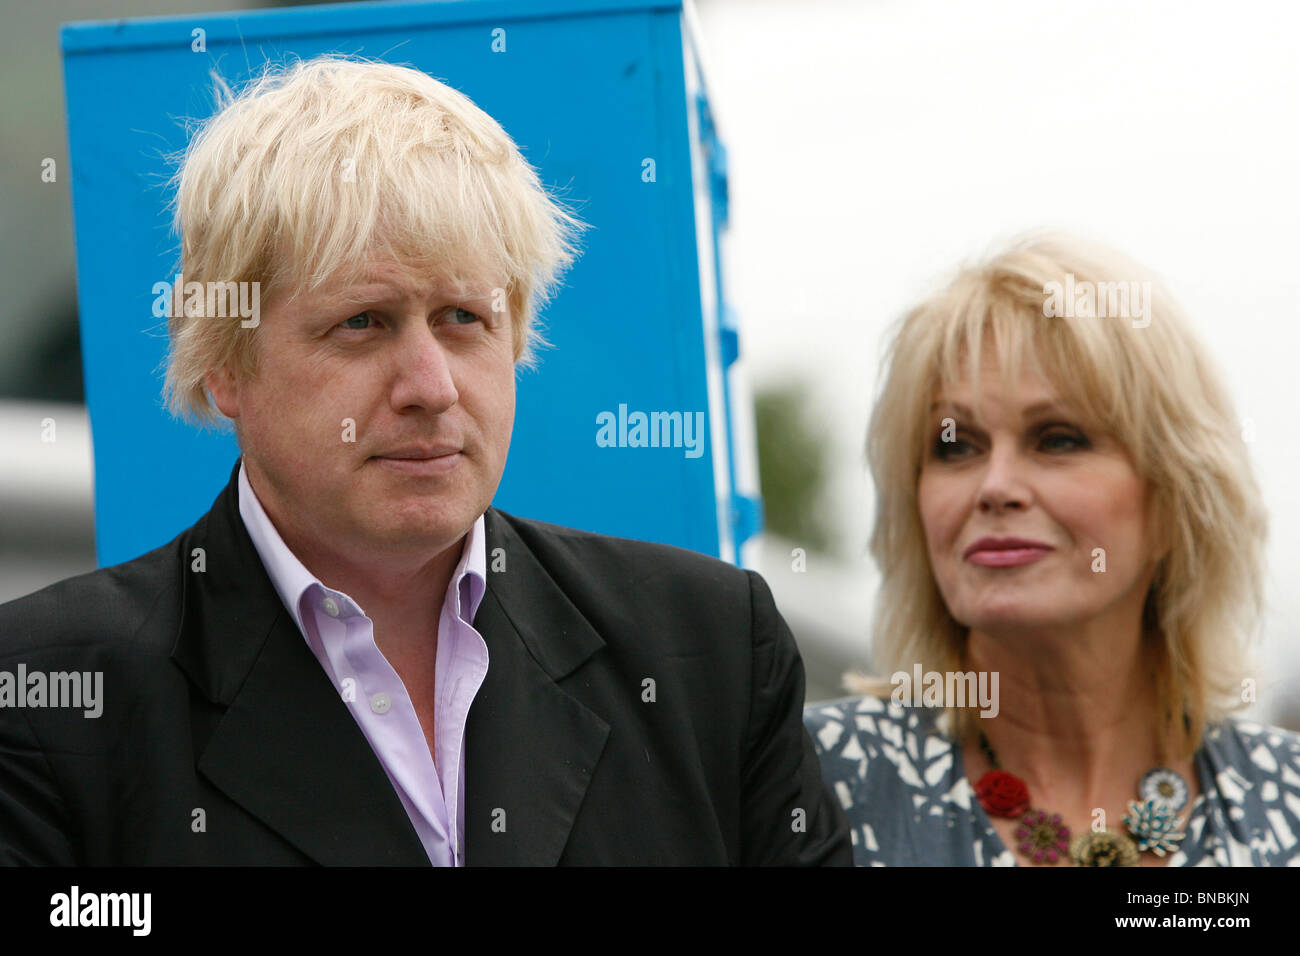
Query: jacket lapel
{"points": [[287, 749], [530, 748]]}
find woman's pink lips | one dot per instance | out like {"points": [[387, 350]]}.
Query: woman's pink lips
{"points": [[1007, 557]]}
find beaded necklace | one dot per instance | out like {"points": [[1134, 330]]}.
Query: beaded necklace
{"points": [[1152, 819]]}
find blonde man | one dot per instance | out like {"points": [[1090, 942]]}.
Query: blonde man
{"points": [[353, 658]]}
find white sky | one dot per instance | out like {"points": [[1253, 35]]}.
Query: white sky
{"points": [[876, 145]]}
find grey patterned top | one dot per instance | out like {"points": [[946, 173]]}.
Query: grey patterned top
{"points": [[903, 784]]}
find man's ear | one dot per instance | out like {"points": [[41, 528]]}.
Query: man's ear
{"points": [[223, 385]]}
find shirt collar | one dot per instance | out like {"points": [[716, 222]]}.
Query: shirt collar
{"points": [[292, 580], [469, 580]]}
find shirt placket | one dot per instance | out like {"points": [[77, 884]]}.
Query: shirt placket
{"points": [[385, 713]]}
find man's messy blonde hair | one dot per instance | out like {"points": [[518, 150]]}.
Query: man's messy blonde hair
{"points": [[1156, 391], [318, 167]]}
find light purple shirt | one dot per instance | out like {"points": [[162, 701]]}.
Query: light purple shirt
{"points": [[342, 637]]}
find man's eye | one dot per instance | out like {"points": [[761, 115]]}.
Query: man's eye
{"points": [[461, 316], [359, 322]]}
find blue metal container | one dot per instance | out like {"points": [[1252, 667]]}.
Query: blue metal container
{"points": [[590, 90]]}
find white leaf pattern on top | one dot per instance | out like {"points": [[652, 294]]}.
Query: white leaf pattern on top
{"points": [[902, 783]]}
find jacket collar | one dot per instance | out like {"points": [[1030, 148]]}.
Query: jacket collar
{"points": [[288, 750]]}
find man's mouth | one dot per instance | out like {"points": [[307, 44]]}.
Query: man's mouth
{"points": [[420, 460]]}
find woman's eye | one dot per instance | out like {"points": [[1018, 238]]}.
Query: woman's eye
{"points": [[358, 323], [946, 449], [1055, 441], [1071, 441]]}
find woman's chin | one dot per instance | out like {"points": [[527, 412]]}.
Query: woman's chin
{"points": [[1014, 621]]}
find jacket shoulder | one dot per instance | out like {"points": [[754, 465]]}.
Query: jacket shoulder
{"points": [[109, 605], [622, 562], [645, 597]]}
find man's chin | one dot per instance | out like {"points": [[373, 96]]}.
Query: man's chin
{"points": [[415, 530]]}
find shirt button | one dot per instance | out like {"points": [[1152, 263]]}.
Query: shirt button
{"points": [[330, 607], [380, 703]]}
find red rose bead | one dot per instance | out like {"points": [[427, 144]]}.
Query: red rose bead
{"points": [[1002, 794]]}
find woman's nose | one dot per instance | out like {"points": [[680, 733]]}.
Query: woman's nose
{"points": [[1003, 485]]}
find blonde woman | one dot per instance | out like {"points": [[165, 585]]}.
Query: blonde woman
{"points": [[1070, 540]]}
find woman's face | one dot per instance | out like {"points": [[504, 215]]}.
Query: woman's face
{"points": [[1023, 466]]}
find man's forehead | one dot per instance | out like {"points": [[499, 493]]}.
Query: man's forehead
{"points": [[391, 280]]}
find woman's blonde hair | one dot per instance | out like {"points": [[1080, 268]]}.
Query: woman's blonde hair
{"points": [[318, 167], [1154, 389]]}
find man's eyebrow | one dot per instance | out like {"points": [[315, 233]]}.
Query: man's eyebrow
{"points": [[383, 292]]}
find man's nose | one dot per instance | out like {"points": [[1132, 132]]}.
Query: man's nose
{"points": [[422, 372]]}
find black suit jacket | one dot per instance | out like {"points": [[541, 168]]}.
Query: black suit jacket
{"points": [[222, 740]]}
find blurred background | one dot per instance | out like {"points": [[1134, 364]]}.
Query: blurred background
{"points": [[874, 146]]}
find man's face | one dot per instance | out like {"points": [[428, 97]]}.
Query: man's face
{"points": [[380, 417]]}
